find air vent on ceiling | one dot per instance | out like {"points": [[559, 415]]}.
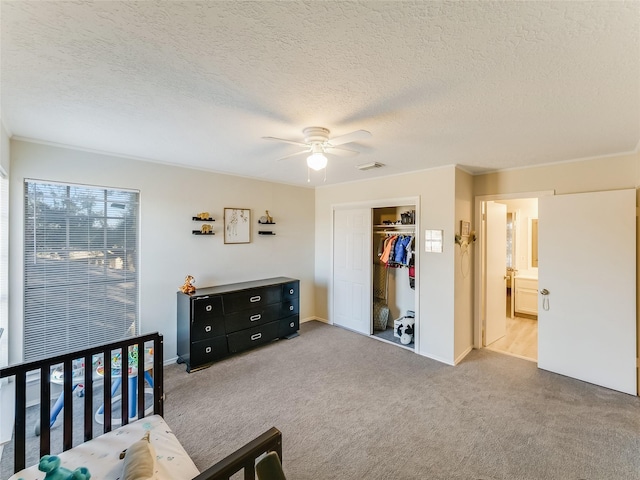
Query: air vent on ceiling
{"points": [[369, 166]]}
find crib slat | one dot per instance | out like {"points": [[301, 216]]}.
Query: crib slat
{"points": [[106, 400], [67, 433], [158, 377], [21, 410], [88, 397], [140, 379], [124, 386], [45, 409]]}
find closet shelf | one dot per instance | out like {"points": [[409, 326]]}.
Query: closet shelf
{"points": [[395, 225]]}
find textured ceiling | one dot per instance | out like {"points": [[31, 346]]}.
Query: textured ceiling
{"points": [[485, 85]]}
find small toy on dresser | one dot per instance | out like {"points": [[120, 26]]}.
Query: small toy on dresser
{"points": [[188, 287]]}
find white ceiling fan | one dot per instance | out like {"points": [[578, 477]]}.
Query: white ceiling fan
{"points": [[317, 144]]}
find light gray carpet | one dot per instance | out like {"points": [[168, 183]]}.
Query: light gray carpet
{"points": [[351, 407]]}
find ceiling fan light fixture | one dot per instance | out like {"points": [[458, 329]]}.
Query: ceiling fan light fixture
{"points": [[316, 161]]}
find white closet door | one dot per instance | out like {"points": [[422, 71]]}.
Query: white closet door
{"points": [[587, 263], [496, 267], [352, 291]]}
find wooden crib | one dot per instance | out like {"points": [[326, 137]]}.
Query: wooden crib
{"points": [[137, 412]]}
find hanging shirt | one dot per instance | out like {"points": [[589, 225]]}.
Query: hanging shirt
{"points": [[388, 248]]}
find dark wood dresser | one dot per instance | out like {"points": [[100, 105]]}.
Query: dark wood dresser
{"points": [[215, 322]]}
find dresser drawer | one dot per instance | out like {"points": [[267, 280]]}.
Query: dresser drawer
{"points": [[207, 328], [207, 351], [289, 326], [236, 302], [204, 308], [251, 337], [290, 307], [290, 290], [251, 317]]}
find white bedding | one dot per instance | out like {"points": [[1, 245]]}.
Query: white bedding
{"points": [[101, 455]]}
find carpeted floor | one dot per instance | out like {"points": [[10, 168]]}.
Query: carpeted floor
{"points": [[351, 407]]}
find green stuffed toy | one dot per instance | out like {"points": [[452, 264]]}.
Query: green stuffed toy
{"points": [[50, 464]]}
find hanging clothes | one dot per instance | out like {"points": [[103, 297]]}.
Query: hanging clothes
{"points": [[388, 248]]}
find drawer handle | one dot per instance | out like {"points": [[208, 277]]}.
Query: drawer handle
{"points": [[207, 328], [291, 291], [208, 308], [253, 318], [256, 336], [207, 350], [291, 307], [255, 299]]}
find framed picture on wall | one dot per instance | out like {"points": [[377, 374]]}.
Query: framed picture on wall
{"points": [[237, 225], [465, 228]]}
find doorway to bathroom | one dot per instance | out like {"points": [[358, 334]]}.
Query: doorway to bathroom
{"points": [[509, 265], [587, 263], [517, 220]]}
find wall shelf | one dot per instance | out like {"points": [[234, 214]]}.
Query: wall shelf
{"points": [[263, 232], [198, 219], [198, 232]]}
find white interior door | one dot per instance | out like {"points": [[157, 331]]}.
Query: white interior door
{"points": [[587, 263], [495, 270], [352, 292]]}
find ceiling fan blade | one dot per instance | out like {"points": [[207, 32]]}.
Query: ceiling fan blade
{"points": [[293, 154], [349, 137], [341, 151], [293, 142]]}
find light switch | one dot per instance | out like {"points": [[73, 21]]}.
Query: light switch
{"points": [[433, 241]]}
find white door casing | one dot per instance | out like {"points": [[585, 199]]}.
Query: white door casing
{"points": [[495, 268], [352, 294], [587, 263]]}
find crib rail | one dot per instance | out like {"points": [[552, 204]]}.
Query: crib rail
{"points": [[245, 457], [87, 356]]}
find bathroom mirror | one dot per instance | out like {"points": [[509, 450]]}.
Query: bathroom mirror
{"points": [[534, 242]]}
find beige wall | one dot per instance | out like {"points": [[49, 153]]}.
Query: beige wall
{"points": [[611, 173], [435, 272], [169, 197], [570, 177], [464, 268]]}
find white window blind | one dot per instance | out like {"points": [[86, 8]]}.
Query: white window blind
{"points": [[81, 267]]}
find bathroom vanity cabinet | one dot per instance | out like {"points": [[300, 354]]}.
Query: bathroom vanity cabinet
{"points": [[526, 295]]}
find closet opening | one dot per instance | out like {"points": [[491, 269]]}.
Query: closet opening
{"points": [[393, 275]]}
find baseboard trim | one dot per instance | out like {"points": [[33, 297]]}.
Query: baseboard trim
{"points": [[437, 359], [463, 354]]}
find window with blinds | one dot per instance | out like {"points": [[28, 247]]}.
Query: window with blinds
{"points": [[80, 267]]}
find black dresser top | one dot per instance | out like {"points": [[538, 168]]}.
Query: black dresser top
{"points": [[234, 287]]}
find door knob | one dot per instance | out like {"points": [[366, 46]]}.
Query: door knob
{"points": [[544, 291]]}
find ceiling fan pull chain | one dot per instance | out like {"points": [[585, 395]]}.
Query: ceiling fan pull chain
{"points": [[308, 174]]}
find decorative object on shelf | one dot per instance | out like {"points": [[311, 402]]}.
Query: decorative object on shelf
{"points": [[237, 225], [205, 216], [188, 287], [266, 219], [206, 228]]}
